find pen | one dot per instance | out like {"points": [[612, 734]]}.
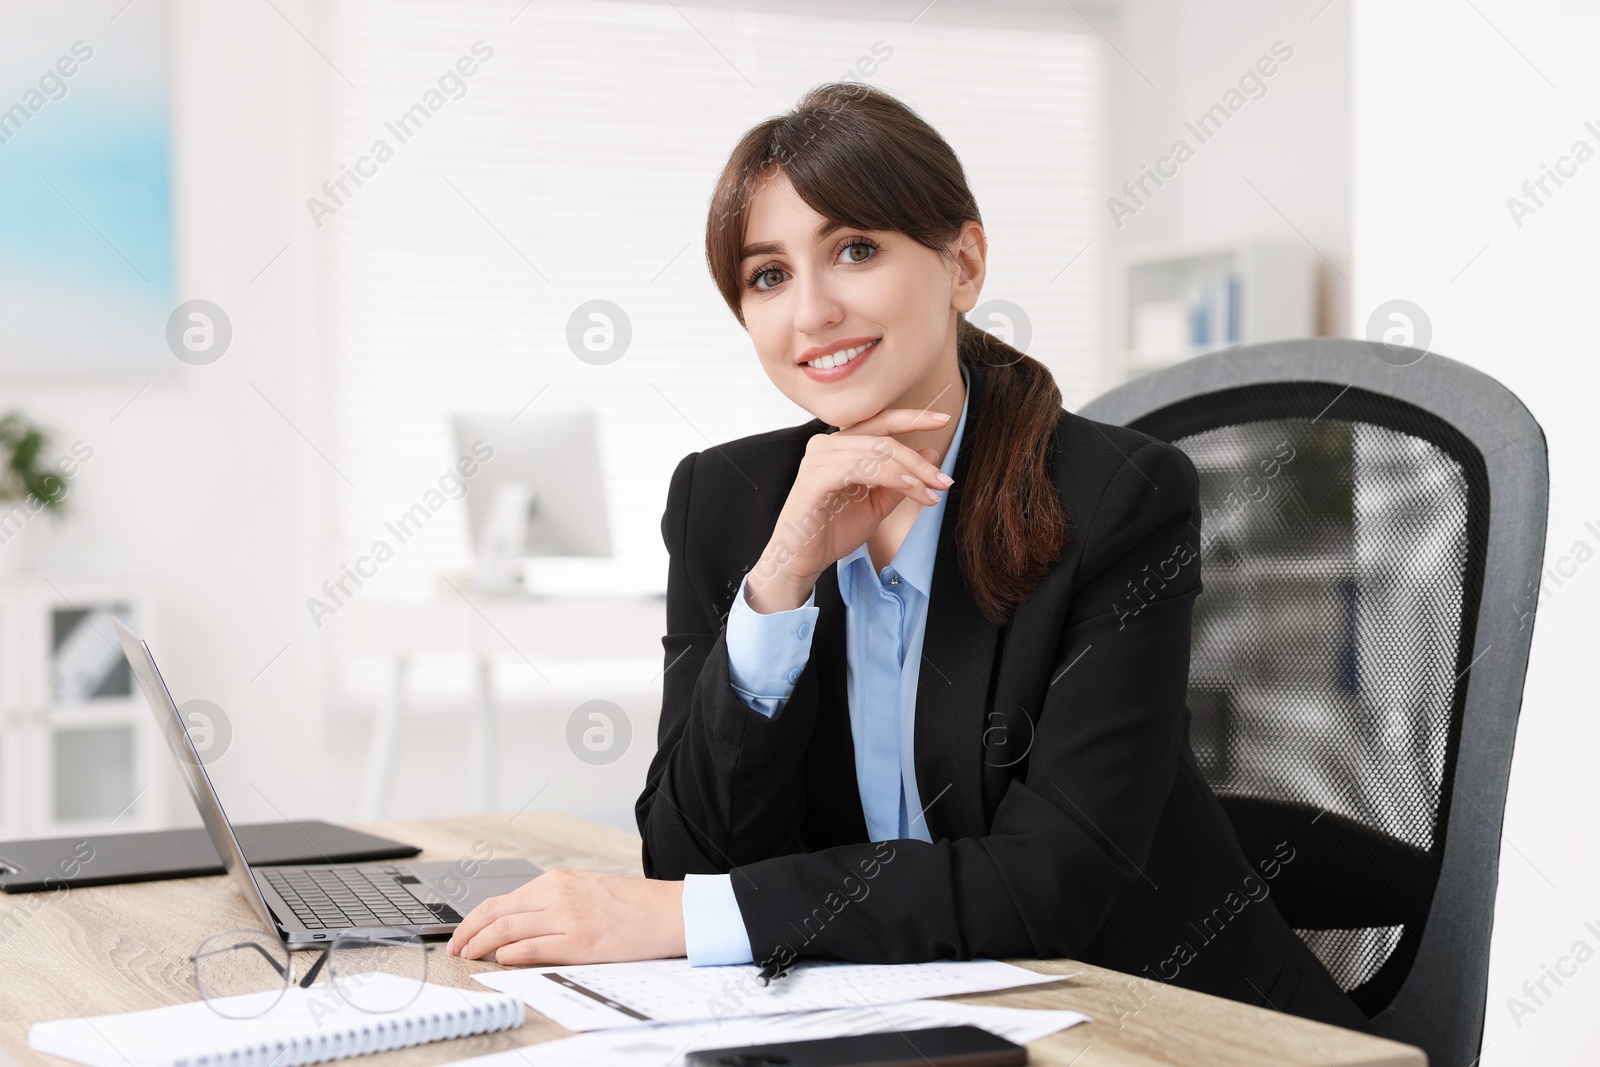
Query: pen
{"points": [[775, 967]]}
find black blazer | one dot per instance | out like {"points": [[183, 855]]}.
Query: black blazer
{"points": [[1067, 814]]}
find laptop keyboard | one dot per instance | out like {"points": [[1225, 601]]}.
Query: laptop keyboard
{"points": [[332, 898]]}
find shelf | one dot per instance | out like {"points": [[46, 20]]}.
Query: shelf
{"points": [[1182, 300]]}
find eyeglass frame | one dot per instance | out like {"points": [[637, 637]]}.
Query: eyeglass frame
{"points": [[287, 972]]}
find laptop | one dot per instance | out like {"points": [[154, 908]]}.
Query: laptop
{"points": [[311, 904]]}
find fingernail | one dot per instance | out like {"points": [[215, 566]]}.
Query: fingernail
{"points": [[941, 415], [945, 480]]}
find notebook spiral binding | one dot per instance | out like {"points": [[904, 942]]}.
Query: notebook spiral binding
{"points": [[375, 1033]]}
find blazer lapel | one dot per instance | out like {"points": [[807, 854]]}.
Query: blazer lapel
{"points": [[958, 655], [833, 758]]}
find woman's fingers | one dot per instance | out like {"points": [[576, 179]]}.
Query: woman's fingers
{"points": [[488, 911], [849, 470], [918, 464], [472, 922], [898, 420], [508, 929], [869, 451], [538, 951]]}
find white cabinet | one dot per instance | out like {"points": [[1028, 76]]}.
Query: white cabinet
{"points": [[79, 750]]}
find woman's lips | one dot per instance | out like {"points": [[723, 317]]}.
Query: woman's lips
{"points": [[836, 373]]}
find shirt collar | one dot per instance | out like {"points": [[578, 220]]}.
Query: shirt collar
{"points": [[914, 561]]}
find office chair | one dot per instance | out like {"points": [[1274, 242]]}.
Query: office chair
{"points": [[1372, 529]]}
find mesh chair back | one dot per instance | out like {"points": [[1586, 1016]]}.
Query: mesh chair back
{"points": [[1346, 535], [1342, 555]]}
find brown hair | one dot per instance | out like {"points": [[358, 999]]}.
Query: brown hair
{"points": [[860, 157]]}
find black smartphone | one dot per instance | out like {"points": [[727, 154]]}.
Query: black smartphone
{"points": [[938, 1046]]}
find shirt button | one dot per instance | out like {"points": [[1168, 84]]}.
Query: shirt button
{"points": [[794, 675], [805, 628], [894, 579]]}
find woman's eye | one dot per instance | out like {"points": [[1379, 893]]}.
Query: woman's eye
{"points": [[755, 282], [865, 247]]}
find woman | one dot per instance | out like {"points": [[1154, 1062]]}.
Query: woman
{"points": [[927, 653]]}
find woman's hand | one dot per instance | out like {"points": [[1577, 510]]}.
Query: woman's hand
{"points": [[848, 483], [567, 916]]}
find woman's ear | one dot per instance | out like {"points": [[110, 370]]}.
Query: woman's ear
{"points": [[971, 249]]}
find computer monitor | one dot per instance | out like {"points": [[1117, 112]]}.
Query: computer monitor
{"points": [[540, 494]]}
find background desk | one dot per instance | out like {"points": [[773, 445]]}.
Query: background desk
{"points": [[122, 948], [537, 630]]}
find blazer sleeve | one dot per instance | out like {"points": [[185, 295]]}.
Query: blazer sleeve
{"points": [[1075, 829], [726, 785]]}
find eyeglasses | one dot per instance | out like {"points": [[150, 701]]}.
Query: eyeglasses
{"points": [[242, 974]]}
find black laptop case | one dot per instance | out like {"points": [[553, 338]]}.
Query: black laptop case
{"points": [[107, 859]]}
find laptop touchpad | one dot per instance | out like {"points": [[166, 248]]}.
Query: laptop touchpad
{"points": [[493, 878]]}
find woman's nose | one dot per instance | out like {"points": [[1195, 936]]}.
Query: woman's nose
{"points": [[817, 307]]}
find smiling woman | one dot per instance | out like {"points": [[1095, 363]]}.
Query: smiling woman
{"points": [[843, 715]]}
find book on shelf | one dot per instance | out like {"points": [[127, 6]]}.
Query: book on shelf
{"points": [[1214, 316]]}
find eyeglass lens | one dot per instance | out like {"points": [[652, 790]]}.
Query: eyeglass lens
{"points": [[241, 973], [378, 970]]}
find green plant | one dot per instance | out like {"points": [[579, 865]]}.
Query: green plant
{"points": [[24, 472]]}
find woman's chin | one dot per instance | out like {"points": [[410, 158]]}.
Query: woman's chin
{"points": [[845, 417]]}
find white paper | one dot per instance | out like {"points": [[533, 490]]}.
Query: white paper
{"points": [[665, 1045], [603, 995]]}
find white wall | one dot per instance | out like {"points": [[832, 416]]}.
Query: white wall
{"points": [[1174, 59], [1455, 108]]}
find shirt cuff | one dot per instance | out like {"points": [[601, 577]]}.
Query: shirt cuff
{"points": [[713, 927], [767, 652]]}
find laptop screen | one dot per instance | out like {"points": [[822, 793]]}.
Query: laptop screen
{"points": [[181, 745]]}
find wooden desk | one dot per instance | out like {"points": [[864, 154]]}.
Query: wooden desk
{"points": [[122, 948]]}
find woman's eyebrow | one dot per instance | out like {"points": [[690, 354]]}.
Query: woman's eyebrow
{"points": [[769, 248]]}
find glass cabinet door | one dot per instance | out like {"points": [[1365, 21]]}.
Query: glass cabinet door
{"points": [[93, 750], [86, 660]]}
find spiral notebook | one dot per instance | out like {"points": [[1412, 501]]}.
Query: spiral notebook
{"points": [[306, 1026]]}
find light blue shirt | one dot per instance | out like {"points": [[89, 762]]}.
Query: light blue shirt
{"points": [[886, 615]]}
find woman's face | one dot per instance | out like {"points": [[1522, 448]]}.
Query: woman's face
{"points": [[807, 292]]}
